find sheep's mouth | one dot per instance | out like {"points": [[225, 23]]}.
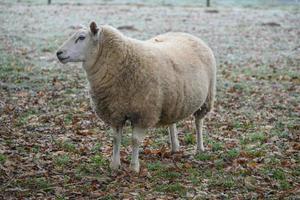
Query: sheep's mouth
{"points": [[63, 59]]}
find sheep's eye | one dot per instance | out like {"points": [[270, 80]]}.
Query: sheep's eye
{"points": [[80, 38]]}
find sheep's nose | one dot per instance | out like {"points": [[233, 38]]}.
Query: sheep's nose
{"points": [[59, 53]]}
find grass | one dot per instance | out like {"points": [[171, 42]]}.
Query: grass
{"points": [[155, 166], [284, 185], [68, 119], [174, 188], [24, 117], [278, 174], [62, 160], [217, 146], [189, 139], [108, 197], [255, 151], [126, 140], [159, 172], [165, 174], [66, 145], [258, 137], [219, 180], [36, 184], [204, 156], [219, 164], [83, 169], [36, 149], [98, 160], [194, 176], [93, 167], [3, 158], [296, 171], [96, 148], [232, 153]]}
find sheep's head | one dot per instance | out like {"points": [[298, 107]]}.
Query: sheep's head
{"points": [[80, 45]]}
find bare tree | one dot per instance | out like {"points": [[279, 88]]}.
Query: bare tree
{"points": [[208, 3]]}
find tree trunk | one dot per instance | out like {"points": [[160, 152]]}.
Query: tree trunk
{"points": [[49, 2], [208, 3]]}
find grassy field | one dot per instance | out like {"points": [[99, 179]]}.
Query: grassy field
{"points": [[53, 146]]}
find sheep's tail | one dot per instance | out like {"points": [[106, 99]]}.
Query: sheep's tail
{"points": [[207, 106], [212, 93], [210, 99]]}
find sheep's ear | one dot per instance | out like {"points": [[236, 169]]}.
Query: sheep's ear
{"points": [[94, 28]]}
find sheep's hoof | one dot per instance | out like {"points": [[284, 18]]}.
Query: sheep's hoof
{"points": [[200, 149], [175, 149], [115, 165], [135, 167]]}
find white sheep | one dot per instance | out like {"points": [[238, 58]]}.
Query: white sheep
{"points": [[150, 83]]}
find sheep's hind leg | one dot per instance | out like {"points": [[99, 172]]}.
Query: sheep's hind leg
{"points": [[199, 133], [115, 161], [173, 138], [199, 118], [137, 137]]}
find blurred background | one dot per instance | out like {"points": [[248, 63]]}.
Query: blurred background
{"points": [[248, 3]]}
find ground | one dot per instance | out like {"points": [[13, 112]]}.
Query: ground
{"points": [[52, 145]]}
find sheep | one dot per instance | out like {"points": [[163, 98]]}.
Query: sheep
{"points": [[151, 83]]}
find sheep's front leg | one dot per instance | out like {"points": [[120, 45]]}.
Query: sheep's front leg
{"points": [[115, 161], [137, 137], [173, 138]]}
